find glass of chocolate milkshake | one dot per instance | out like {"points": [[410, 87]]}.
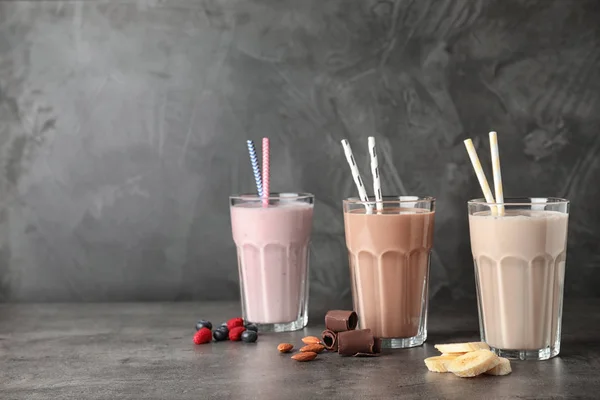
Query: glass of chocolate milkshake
{"points": [[519, 249], [389, 244]]}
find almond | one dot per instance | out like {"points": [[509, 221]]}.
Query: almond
{"points": [[285, 347], [312, 348], [311, 340], [308, 356]]}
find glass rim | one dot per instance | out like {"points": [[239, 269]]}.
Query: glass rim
{"points": [[272, 196], [520, 201], [390, 199]]}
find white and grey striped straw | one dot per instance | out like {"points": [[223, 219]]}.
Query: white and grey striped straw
{"points": [[375, 172], [362, 193]]}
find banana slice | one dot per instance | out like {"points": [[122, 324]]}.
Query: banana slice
{"points": [[439, 363], [461, 347], [474, 363], [503, 368], [454, 354]]}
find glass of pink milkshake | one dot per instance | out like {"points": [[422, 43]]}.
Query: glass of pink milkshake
{"points": [[519, 271], [389, 247], [272, 247]]}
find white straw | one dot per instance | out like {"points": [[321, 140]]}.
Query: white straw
{"points": [[362, 193], [496, 171], [375, 172], [485, 187]]}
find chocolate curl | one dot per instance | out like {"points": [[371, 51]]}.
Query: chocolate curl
{"points": [[376, 350], [341, 320], [330, 340], [358, 343]]}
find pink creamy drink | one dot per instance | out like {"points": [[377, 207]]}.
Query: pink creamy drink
{"points": [[519, 270], [272, 246]]}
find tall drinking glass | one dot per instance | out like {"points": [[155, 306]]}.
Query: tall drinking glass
{"points": [[519, 271], [272, 248], [389, 251]]}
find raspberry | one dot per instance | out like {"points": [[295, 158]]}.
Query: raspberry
{"points": [[233, 322], [204, 335], [235, 334]]}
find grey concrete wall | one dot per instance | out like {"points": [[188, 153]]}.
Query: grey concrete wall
{"points": [[122, 129]]}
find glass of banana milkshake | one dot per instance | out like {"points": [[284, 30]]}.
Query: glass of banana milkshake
{"points": [[519, 272], [519, 248]]}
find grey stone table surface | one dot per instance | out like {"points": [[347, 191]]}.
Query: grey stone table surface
{"points": [[145, 351]]}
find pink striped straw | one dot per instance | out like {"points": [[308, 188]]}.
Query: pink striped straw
{"points": [[265, 171]]}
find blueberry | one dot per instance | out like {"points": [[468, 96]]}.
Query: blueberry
{"points": [[252, 327], [203, 324], [220, 335], [249, 336], [223, 329], [223, 324]]}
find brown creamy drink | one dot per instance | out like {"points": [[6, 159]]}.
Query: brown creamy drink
{"points": [[520, 269], [389, 268]]}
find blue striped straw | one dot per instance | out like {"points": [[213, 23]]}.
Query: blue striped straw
{"points": [[255, 167]]}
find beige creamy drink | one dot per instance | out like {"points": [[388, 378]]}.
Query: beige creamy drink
{"points": [[389, 267], [519, 271]]}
